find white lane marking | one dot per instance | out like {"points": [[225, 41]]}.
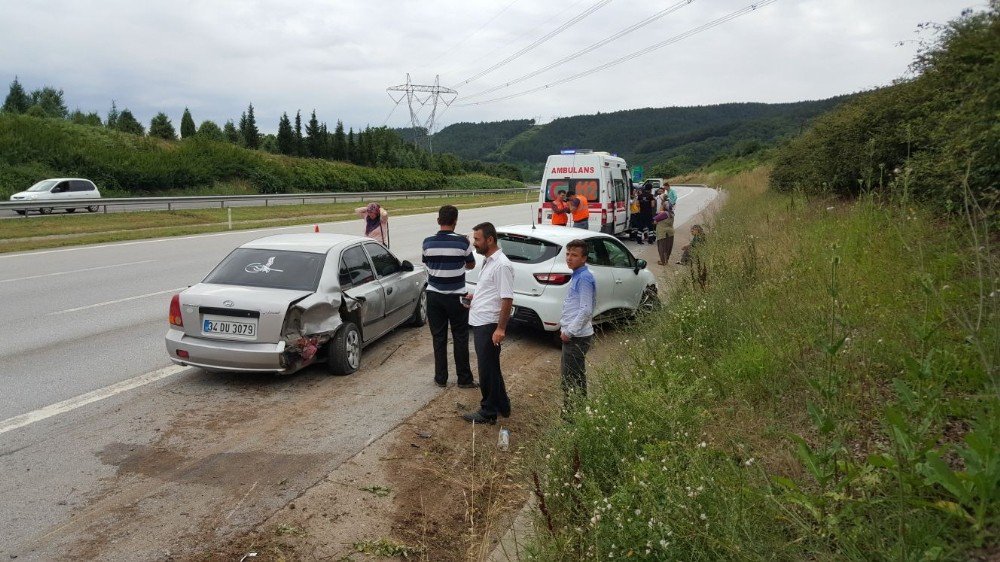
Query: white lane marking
{"points": [[137, 242], [690, 190], [74, 271], [79, 308], [40, 414]]}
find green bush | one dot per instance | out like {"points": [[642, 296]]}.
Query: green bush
{"points": [[917, 138]]}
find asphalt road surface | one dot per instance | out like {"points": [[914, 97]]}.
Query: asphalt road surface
{"points": [[102, 439]]}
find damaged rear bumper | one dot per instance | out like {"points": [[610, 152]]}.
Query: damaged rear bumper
{"points": [[228, 355]]}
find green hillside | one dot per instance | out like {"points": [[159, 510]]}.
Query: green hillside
{"points": [[687, 136], [33, 148]]}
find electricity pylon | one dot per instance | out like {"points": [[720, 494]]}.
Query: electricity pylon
{"points": [[419, 96]]}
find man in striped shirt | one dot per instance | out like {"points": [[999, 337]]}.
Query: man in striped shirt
{"points": [[447, 255]]}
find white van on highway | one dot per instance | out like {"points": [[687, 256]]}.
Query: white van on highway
{"points": [[58, 190], [602, 178]]}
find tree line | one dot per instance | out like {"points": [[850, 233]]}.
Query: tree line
{"points": [[311, 138]]}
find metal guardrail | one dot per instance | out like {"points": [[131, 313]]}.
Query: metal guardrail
{"points": [[223, 200]]}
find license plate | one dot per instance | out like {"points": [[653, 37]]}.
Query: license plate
{"points": [[228, 326]]}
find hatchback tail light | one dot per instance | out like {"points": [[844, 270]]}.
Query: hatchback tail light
{"points": [[553, 278], [175, 312]]}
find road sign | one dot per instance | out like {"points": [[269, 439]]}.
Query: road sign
{"points": [[637, 173]]}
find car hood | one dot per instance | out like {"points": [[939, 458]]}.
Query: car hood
{"points": [[22, 195], [269, 305]]}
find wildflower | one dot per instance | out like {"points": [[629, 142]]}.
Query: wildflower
{"points": [[638, 511], [663, 543], [702, 445], [703, 517], [749, 461]]}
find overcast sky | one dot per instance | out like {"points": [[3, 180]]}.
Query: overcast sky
{"points": [[338, 57]]}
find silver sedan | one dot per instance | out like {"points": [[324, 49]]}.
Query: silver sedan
{"points": [[283, 302]]}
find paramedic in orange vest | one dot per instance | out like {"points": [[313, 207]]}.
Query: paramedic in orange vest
{"points": [[580, 209], [560, 210]]}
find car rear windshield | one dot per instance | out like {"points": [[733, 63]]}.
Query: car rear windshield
{"points": [[273, 269], [525, 249]]}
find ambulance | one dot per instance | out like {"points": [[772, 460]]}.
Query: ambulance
{"points": [[602, 178]]}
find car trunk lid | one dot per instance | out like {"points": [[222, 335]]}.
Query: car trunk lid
{"points": [[237, 313]]}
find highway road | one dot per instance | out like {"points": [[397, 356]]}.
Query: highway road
{"points": [[100, 434]]}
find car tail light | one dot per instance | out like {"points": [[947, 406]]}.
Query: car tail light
{"points": [[553, 278], [175, 312], [539, 215], [183, 354]]}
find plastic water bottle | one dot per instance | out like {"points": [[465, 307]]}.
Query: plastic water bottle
{"points": [[503, 439]]}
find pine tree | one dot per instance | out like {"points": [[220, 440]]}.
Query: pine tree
{"points": [[161, 127], [187, 125], [339, 151], [352, 150], [80, 118], [112, 121], [231, 133], [127, 123], [286, 137], [314, 143], [299, 145], [326, 150], [251, 135], [17, 100]]}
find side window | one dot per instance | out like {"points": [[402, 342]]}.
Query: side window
{"points": [[385, 263], [355, 268], [624, 186], [619, 194], [62, 187], [597, 254], [81, 186], [618, 256]]}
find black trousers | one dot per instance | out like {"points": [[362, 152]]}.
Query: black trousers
{"points": [[495, 400], [443, 310], [574, 368]]}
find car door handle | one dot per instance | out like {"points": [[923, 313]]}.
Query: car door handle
{"points": [[618, 281], [388, 291]]}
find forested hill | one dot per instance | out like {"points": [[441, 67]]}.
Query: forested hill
{"points": [[688, 136]]}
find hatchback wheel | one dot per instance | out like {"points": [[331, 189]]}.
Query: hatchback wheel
{"points": [[345, 350], [649, 301], [21, 212], [93, 208], [45, 210]]}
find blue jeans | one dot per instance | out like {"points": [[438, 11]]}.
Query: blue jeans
{"points": [[584, 224]]}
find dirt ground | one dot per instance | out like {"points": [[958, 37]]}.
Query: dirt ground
{"points": [[435, 487]]}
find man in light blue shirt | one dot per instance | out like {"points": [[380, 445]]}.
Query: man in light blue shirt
{"points": [[576, 323]]}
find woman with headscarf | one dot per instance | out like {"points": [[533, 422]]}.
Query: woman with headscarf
{"points": [[376, 222]]}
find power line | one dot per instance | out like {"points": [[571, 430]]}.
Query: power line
{"points": [[660, 45], [642, 23], [569, 23]]}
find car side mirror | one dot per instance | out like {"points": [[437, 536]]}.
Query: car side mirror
{"points": [[407, 266], [639, 264]]}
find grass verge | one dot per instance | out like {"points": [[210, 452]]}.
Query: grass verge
{"points": [[39, 232], [823, 385]]}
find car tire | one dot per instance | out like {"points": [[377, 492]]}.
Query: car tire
{"points": [[419, 317], [45, 210], [649, 301], [345, 350], [93, 208], [71, 210], [21, 212]]}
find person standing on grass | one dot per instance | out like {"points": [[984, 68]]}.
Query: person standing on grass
{"points": [[577, 328], [447, 255], [664, 231], [376, 222], [489, 311]]}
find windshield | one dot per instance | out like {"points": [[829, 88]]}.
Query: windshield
{"points": [[582, 186], [43, 185], [273, 269], [526, 249]]}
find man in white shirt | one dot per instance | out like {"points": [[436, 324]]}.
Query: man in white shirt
{"points": [[489, 311]]}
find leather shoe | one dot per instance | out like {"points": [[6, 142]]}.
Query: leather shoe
{"points": [[441, 384], [472, 384], [479, 417]]}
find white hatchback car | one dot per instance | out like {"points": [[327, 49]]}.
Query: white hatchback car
{"points": [[541, 276], [60, 191]]}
